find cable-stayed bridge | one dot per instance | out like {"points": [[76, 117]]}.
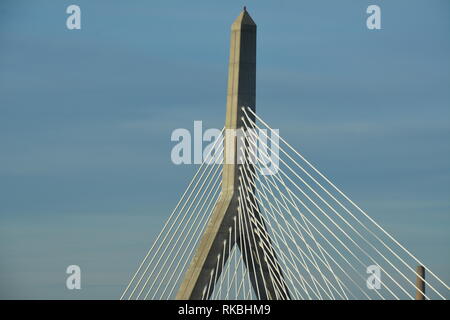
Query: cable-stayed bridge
{"points": [[259, 221]]}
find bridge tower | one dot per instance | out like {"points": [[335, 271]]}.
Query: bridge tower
{"points": [[241, 92]]}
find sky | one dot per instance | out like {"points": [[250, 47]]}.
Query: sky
{"points": [[86, 118]]}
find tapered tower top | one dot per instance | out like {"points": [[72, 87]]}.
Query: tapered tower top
{"points": [[243, 19], [241, 70]]}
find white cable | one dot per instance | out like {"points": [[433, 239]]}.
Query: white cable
{"points": [[227, 269], [250, 250], [347, 223], [229, 257], [256, 249], [167, 269], [275, 268], [170, 229], [209, 285], [192, 250], [307, 269], [246, 162], [323, 251], [234, 277], [202, 223], [321, 258], [165, 225], [305, 265], [223, 261], [176, 230], [326, 227], [301, 236], [301, 214], [243, 248], [295, 219], [361, 210], [284, 262], [358, 246], [282, 282], [313, 278], [216, 273]]}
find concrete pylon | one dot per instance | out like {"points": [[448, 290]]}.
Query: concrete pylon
{"points": [[420, 283], [241, 92]]}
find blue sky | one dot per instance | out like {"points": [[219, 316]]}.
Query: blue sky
{"points": [[86, 118]]}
